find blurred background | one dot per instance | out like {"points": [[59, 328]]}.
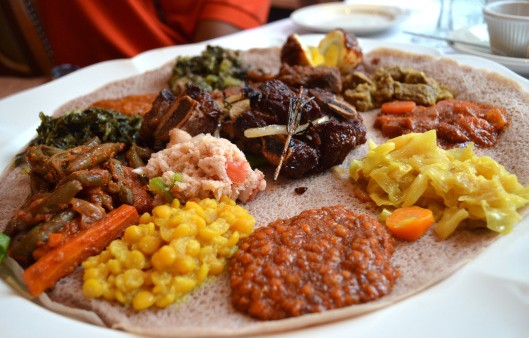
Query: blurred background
{"points": [[27, 56], [26, 51], [34, 34]]}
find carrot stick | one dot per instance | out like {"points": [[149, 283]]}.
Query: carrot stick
{"points": [[409, 223], [398, 107], [63, 260]]}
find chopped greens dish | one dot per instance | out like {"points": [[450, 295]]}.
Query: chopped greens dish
{"points": [[214, 68], [78, 127], [5, 240]]}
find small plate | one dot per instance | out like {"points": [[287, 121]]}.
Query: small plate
{"points": [[357, 19], [479, 34]]}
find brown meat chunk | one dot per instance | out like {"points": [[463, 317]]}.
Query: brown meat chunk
{"points": [[337, 138], [319, 147], [194, 111], [323, 77], [273, 98], [301, 159], [292, 52], [152, 118]]}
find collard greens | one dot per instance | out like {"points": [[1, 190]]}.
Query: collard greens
{"points": [[78, 127]]}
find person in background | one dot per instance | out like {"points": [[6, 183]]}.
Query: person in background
{"points": [[283, 8], [83, 32]]}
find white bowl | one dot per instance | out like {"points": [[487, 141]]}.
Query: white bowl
{"points": [[508, 25]]}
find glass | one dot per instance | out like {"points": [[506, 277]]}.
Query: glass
{"points": [[443, 27], [453, 15], [459, 14], [467, 13], [444, 21]]}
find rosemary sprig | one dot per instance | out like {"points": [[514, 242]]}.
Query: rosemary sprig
{"points": [[295, 106]]}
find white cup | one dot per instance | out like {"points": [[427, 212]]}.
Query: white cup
{"points": [[508, 26]]}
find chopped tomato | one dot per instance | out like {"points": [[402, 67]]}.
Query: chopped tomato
{"points": [[237, 171]]}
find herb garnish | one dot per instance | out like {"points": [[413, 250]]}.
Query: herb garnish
{"points": [[295, 106]]}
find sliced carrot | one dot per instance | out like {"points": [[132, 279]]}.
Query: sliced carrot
{"points": [[62, 261], [54, 240], [237, 171], [409, 223], [398, 107]]}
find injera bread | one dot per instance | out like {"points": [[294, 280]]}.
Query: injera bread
{"points": [[207, 311]]}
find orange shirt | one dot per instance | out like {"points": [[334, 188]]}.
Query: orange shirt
{"points": [[83, 32]]}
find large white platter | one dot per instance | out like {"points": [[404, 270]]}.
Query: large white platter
{"points": [[489, 297]]}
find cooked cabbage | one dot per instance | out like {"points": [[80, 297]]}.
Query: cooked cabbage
{"points": [[457, 185]]}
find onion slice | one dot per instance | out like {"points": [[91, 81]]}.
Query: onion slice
{"points": [[280, 129]]}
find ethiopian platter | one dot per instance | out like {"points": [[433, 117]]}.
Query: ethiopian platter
{"points": [[264, 190]]}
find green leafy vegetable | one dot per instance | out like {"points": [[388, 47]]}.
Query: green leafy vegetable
{"points": [[78, 127], [214, 68], [5, 240]]}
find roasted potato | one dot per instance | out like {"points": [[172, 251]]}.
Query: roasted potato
{"points": [[337, 49], [294, 53], [341, 50]]}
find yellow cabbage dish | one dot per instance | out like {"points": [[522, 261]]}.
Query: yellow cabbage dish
{"points": [[456, 184]]}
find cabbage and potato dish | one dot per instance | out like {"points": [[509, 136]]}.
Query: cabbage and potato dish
{"points": [[457, 185]]}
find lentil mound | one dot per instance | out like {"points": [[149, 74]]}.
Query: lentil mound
{"points": [[321, 259]]}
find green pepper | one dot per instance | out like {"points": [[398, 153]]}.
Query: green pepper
{"points": [[5, 240], [178, 177], [158, 186]]}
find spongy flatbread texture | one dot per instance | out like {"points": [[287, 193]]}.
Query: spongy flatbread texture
{"points": [[208, 312]]}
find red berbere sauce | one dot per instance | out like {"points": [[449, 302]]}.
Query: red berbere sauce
{"points": [[457, 122], [319, 260], [129, 105]]}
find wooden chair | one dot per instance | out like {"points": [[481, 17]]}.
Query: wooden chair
{"points": [[24, 50]]}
